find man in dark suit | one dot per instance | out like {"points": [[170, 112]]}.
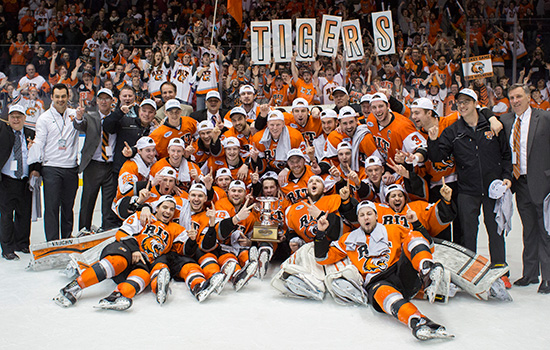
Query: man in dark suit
{"points": [[213, 111], [96, 163], [15, 196], [528, 130]]}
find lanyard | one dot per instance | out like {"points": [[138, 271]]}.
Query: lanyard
{"points": [[55, 121]]}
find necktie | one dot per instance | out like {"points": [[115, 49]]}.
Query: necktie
{"points": [[18, 154], [104, 144], [516, 140]]}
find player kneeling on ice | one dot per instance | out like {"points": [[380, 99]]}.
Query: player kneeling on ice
{"points": [[395, 263], [144, 252]]}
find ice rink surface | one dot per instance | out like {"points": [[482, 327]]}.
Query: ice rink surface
{"points": [[255, 318]]}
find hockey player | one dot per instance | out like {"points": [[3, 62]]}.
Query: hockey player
{"points": [[207, 144], [329, 122], [139, 249], [342, 173], [303, 121], [240, 129], [230, 158], [394, 263], [275, 142]]}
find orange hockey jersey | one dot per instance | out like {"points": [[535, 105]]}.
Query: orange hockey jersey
{"points": [[164, 133], [270, 151], [298, 219]]}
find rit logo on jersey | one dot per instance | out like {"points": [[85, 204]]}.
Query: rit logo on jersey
{"points": [[296, 195], [395, 219], [155, 242], [382, 145], [306, 225]]}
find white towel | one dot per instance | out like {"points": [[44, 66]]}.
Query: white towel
{"points": [[360, 133], [183, 171], [34, 185], [504, 209], [282, 147], [143, 169], [546, 213]]}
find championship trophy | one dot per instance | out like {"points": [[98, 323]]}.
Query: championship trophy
{"points": [[266, 230]]}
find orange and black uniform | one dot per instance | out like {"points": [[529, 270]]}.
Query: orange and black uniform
{"points": [[166, 132], [298, 218]]}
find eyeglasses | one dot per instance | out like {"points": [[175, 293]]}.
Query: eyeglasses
{"points": [[462, 102]]}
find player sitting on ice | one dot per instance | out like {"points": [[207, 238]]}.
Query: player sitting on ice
{"points": [[394, 262], [138, 252]]}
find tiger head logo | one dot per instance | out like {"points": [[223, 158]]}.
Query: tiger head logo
{"points": [[376, 263], [478, 68], [152, 247]]}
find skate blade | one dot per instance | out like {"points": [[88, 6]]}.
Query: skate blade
{"points": [[215, 282], [300, 289], [347, 293], [427, 333], [163, 280], [498, 291], [262, 269], [249, 273], [62, 301], [436, 275], [228, 272], [119, 305]]}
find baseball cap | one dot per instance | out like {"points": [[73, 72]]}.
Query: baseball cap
{"points": [[343, 145], [237, 110], [237, 184], [316, 177], [214, 94], [231, 141], [275, 115], [223, 172], [328, 113], [163, 199], [295, 152], [149, 102], [423, 103], [145, 141], [269, 175], [105, 91], [366, 98], [299, 102], [246, 88], [205, 125], [468, 92], [173, 103], [198, 187], [497, 189], [365, 204], [176, 142], [379, 97], [346, 112], [17, 108], [393, 187], [167, 171], [372, 160], [341, 89]]}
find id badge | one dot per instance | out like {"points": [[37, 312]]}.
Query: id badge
{"points": [[514, 158], [62, 144], [13, 165], [108, 151]]}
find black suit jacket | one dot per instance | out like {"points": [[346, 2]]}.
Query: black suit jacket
{"points": [[538, 151], [199, 116], [7, 138]]}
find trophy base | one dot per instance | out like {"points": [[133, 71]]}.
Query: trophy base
{"points": [[263, 233]]}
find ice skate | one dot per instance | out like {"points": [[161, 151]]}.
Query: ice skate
{"points": [[424, 329], [301, 288], [263, 263], [115, 301], [203, 290], [227, 269], [163, 281], [435, 277], [241, 278], [347, 293], [498, 291], [253, 255], [69, 294]]}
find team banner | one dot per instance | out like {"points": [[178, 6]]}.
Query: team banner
{"points": [[382, 27], [282, 39], [353, 42], [330, 34], [260, 42], [305, 39], [477, 67]]}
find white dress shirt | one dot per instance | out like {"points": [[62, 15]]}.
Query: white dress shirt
{"points": [[7, 169], [525, 120], [112, 139], [56, 140]]}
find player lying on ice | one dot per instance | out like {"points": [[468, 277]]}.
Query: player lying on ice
{"points": [[389, 264], [143, 253]]}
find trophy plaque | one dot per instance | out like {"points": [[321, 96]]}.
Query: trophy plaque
{"points": [[266, 230]]}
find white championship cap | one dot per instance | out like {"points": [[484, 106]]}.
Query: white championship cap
{"points": [[275, 115], [162, 199], [346, 112], [497, 189], [365, 204], [224, 172], [105, 91], [295, 152], [149, 102], [340, 89], [468, 92], [237, 110], [246, 88], [343, 145], [299, 102], [231, 141], [379, 97], [237, 184], [423, 103], [366, 98], [372, 160], [198, 187], [329, 113], [17, 108], [167, 171], [214, 94], [145, 141], [173, 103], [176, 142], [205, 125]]}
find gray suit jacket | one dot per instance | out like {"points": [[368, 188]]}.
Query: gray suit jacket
{"points": [[91, 126], [538, 151]]}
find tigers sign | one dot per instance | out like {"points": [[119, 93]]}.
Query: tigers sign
{"points": [[274, 39], [477, 67], [382, 27]]}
